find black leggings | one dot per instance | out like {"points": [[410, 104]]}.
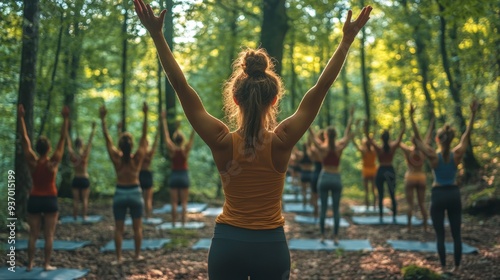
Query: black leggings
{"points": [[386, 174], [447, 198], [236, 253]]}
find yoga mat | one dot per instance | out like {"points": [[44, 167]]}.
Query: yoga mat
{"points": [[361, 209], [128, 244], [212, 211], [290, 197], [316, 245], [57, 245], [90, 220], [38, 273], [298, 208], [312, 220], [178, 225], [418, 246], [150, 221], [203, 243], [192, 207], [387, 220]]}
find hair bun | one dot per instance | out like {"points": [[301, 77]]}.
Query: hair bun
{"points": [[255, 64]]}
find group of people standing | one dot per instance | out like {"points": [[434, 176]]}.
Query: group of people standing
{"points": [[445, 196], [133, 191], [252, 160]]}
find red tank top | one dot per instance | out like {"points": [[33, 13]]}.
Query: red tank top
{"points": [[331, 159], [44, 180], [179, 161]]}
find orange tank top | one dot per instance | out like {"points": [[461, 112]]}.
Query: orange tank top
{"points": [[253, 189], [44, 180], [369, 158]]}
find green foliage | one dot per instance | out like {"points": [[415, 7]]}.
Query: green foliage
{"points": [[207, 37], [414, 272]]}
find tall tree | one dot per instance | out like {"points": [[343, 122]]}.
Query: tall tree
{"points": [[27, 89], [454, 77], [124, 65], [364, 75], [273, 30]]}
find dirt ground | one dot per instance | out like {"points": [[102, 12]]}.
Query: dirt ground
{"points": [[178, 261]]}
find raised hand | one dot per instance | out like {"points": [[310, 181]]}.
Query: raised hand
{"points": [[65, 112], [351, 28], [20, 111], [474, 106], [103, 112], [147, 17], [412, 109], [145, 107]]}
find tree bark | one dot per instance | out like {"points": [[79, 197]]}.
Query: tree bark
{"points": [[124, 66], [273, 30], [364, 78], [26, 94]]}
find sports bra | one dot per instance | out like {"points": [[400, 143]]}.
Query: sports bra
{"points": [[445, 172], [331, 159]]}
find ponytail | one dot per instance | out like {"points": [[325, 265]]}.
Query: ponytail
{"points": [[385, 139], [125, 144]]}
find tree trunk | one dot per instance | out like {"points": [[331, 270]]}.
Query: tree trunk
{"points": [[26, 94], [364, 78], [423, 65], [273, 30], [293, 74], [455, 85], [345, 90], [124, 66], [52, 79]]}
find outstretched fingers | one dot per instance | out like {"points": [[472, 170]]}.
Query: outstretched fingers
{"points": [[364, 16]]}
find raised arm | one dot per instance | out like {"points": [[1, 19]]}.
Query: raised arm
{"points": [[460, 149], [292, 128], [347, 132], [155, 144], [89, 143], [428, 134], [189, 144], [143, 142], [112, 151], [210, 129], [58, 152], [401, 133], [170, 144], [369, 139], [69, 143], [29, 154]]}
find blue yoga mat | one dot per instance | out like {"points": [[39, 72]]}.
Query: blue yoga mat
{"points": [[362, 209], [212, 211], [57, 245], [418, 246], [128, 244], [387, 220], [298, 208], [290, 197], [150, 221], [191, 208], [79, 220], [327, 245], [178, 225], [38, 273], [202, 244], [312, 220]]}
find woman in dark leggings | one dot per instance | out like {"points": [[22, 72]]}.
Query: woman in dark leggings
{"points": [[445, 195], [128, 193], [249, 236], [385, 172], [329, 178]]}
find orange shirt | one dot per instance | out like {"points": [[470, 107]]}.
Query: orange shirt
{"points": [[253, 189], [44, 180], [369, 157]]}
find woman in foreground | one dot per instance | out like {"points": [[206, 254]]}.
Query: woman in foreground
{"points": [[249, 238]]}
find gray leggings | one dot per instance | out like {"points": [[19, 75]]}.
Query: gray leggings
{"points": [[329, 182]]}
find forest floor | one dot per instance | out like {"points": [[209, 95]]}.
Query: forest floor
{"points": [[178, 261]]}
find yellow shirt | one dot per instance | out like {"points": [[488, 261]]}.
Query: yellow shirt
{"points": [[253, 188]]}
